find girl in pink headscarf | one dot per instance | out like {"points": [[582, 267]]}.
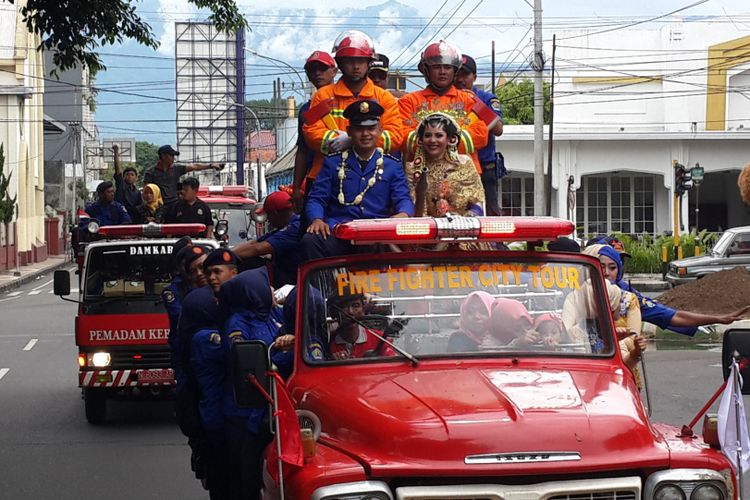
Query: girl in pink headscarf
{"points": [[473, 323], [511, 324]]}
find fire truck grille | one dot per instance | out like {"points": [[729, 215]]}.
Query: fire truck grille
{"points": [[141, 358], [619, 488], [600, 495]]}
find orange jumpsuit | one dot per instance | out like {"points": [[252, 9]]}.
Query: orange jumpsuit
{"points": [[319, 133], [457, 103]]}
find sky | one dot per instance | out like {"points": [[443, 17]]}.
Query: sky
{"points": [[136, 93]]}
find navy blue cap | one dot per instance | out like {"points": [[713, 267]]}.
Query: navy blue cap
{"points": [[220, 257], [364, 113]]}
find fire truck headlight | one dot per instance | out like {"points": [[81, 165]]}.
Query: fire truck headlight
{"points": [[693, 484], [364, 490], [707, 492], [100, 359], [93, 227], [669, 492]]}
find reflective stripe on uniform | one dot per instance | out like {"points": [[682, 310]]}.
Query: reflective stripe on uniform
{"points": [[326, 139], [411, 142], [468, 142], [386, 141], [337, 113]]}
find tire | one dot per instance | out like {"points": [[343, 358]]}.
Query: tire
{"points": [[95, 403]]}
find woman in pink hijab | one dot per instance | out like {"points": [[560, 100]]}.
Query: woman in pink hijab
{"points": [[511, 324], [473, 323]]}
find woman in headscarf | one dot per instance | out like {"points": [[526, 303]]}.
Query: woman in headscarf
{"points": [[473, 322], [247, 304], [511, 324], [440, 179], [152, 209], [628, 321]]}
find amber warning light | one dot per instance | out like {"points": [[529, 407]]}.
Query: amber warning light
{"points": [[452, 228]]}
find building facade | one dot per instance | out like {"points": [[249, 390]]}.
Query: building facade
{"points": [[21, 134], [627, 104]]}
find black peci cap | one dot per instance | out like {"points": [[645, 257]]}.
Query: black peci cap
{"points": [[167, 150]]}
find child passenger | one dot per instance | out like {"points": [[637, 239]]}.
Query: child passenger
{"points": [[511, 324], [473, 323]]}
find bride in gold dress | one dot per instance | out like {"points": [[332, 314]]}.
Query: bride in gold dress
{"points": [[441, 180]]}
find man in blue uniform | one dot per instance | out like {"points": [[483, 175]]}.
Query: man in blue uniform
{"points": [[359, 183], [282, 242], [219, 266], [105, 209], [175, 292], [492, 170]]}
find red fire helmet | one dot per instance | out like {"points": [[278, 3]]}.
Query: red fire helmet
{"points": [[441, 52], [354, 44]]}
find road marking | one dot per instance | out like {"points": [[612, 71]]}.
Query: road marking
{"points": [[10, 298], [35, 292], [31, 344], [717, 365], [3, 371], [42, 286], [73, 290], [14, 294]]}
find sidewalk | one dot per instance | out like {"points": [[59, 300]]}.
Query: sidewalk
{"points": [[9, 281], [647, 282]]}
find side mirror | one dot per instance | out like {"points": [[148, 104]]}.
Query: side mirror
{"points": [[250, 362], [221, 229], [61, 283]]}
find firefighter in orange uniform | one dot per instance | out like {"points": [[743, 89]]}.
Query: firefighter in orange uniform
{"points": [[325, 124], [439, 64]]}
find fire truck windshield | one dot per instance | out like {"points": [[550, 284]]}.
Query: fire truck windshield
{"points": [[470, 307], [238, 218], [127, 277]]}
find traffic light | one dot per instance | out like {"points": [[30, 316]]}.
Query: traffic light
{"points": [[683, 178]]}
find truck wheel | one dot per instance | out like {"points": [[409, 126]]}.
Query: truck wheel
{"points": [[95, 403]]}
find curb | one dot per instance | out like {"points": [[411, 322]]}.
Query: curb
{"points": [[651, 286], [22, 280]]}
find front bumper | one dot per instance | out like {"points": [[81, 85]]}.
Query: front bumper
{"points": [[675, 280], [126, 378]]}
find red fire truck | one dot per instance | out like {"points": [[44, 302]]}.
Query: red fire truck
{"points": [[502, 416], [121, 327]]}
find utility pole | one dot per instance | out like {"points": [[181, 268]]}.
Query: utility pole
{"points": [[548, 184], [492, 84], [538, 65]]}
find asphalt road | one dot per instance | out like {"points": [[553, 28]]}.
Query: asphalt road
{"points": [[49, 451]]}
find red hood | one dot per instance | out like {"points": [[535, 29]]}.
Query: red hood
{"points": [[396, 419]]}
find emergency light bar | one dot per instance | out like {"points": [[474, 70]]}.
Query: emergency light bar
{"points": [[151, 230], [420, 230], [224, 190]]}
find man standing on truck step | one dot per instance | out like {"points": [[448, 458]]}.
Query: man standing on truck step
{"points": [[439, 64], [326, 124], [126, 191], [105, 209], [320, 69], [166, 173], [220, 266], [190, 208], [282, 243], [490, 162], [361, 182]]}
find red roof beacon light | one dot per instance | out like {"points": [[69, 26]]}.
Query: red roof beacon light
{"points": [[453, 228], [151, 230]]}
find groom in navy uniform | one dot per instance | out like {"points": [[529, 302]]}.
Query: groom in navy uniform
{"points": [[359, 183]]}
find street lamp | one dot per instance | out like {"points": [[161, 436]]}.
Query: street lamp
{"points": [[257, 127], [273, 59]]}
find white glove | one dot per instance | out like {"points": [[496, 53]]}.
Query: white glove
{"points": [[340, 142]]}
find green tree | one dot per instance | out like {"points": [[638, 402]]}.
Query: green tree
{"points": [[75, 29], [81, 191], [7, 204], [146, 156], [517, 98]]}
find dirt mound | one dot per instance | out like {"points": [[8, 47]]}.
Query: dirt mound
{"points": [[717, 293]]}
